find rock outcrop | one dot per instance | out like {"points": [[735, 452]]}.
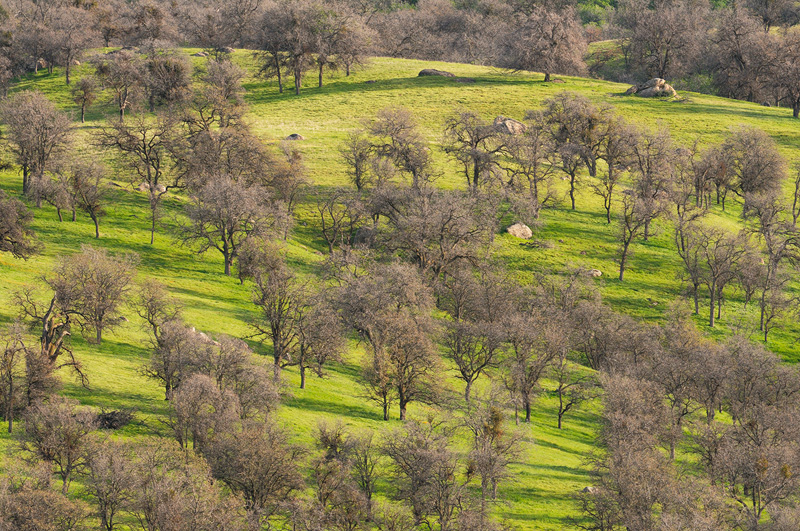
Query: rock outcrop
{"points": [[520, 230], [509, 126], [434, 72], [655, 88]]}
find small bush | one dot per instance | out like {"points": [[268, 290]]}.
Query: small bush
{"points": [[114, 419]]}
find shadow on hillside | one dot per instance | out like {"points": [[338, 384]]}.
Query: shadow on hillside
{"points": [[564, 449], [259, 93], [201, 294], [314, 404]]}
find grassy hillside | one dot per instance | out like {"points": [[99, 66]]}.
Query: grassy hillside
{"points": [[552, 467]]}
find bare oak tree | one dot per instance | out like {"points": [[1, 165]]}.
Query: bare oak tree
{"points": [[15, 235], [38, 132], [95, 284], [143, 146]]}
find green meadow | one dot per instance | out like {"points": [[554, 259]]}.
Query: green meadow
{"points": [[552, 467]]}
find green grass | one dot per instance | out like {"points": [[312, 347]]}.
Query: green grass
{"points": [[552, 467]]}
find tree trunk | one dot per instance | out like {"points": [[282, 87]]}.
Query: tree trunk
{"points": [[403, 410], [99, 336], [298, 79], [302, 376], [546, 77], [385, 410], [321, 66], [10, 402], [712, 305], [572, 190], [527, 405], [467, 390], [796, 109], [278, 73], [83, 113], [58, 212], [96, 226], [67, 69], [623, 259], [74, 214]]}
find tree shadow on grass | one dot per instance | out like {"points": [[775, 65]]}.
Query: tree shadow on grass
{"points": [[258, 94], [329, 406]]}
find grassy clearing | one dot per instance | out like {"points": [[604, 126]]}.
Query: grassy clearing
{"points": [[552, 467]]}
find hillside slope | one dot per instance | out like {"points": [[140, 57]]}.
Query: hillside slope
{"points": [[552, 467]]}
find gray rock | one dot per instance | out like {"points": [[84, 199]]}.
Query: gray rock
{"points": [[520, 230], [595, 273], [295, 136], [434, 72], [509, 125], [653, 88]]}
